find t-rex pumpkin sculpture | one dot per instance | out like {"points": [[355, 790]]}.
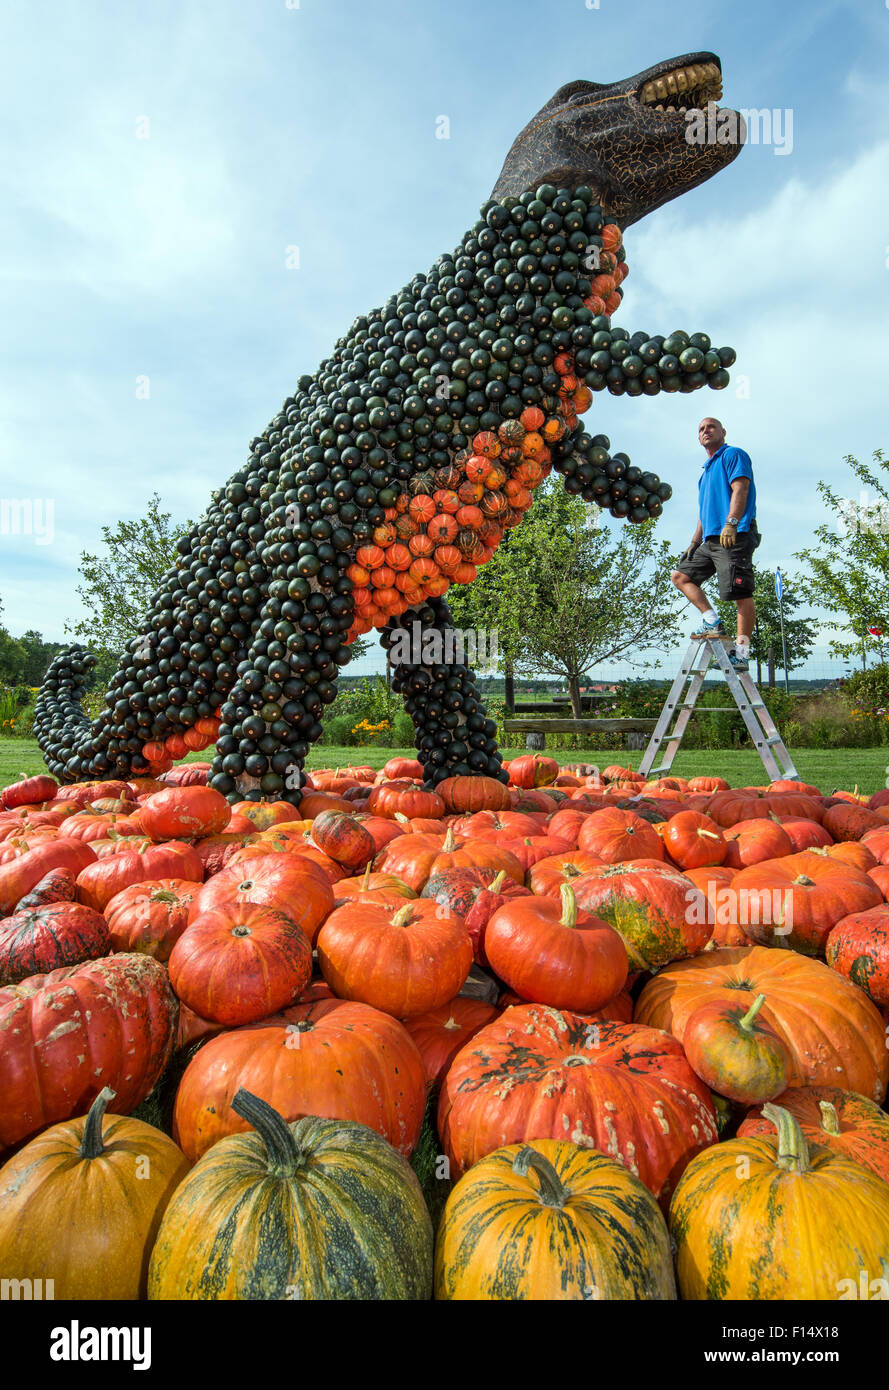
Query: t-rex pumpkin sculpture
{"points": [[394, 471]]}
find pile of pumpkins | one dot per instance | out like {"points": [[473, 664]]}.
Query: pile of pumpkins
{"points": [[649, 1019]]}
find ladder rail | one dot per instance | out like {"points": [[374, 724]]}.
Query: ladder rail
{"points": [[749, 703]]}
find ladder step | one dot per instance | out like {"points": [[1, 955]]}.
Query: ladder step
{"points": [[776, 738]]}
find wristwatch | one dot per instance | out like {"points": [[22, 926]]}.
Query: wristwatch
{"points": [[732, 521]]}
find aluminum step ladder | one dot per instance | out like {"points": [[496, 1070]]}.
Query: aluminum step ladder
{"points": [[681, 701]]}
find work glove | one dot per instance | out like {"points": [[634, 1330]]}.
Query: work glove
{"points": [[727, 536]]}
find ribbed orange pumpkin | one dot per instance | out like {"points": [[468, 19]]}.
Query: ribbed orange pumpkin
{"points": [[474, 794], [330, 1058], [797, 900], [617, 836], [751, 841], [184, 812], [403, 962], [238, 963], [694, 840], [550, 954], [835, 1034], [288, 883], [151, 917]]}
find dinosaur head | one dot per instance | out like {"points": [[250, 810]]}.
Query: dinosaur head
{"points": [[637, 143]]}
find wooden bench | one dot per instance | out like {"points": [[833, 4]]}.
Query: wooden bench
{"points": [[535, 730]]}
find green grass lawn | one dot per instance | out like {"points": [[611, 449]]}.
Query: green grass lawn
{"points": [[828, 769]]}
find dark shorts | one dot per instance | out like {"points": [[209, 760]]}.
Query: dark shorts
{"points": [[733, 568]]}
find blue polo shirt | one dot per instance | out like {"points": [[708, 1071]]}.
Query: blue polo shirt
{"points": [[715, 491]]}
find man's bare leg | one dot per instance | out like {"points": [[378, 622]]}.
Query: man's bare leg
{"points": [[746, 617], [693, 592]]}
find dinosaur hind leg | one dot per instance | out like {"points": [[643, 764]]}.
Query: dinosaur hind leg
{"points": [[453, 734]]}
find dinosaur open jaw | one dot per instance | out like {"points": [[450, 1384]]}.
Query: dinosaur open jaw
{"points": [[685, 88]]}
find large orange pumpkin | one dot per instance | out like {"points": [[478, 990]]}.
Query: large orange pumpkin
{"points": [[65, 1035], [403, 962], [835, 1034], [796, 901], [184, 813], [335, 1059], [537, 1073], [288, 883], [616, 836], [238, 963], [550, 954]]}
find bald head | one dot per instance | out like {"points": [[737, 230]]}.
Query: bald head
{"points": [[711, 434]]}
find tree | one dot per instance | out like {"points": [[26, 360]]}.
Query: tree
{"points": [[492, 605], [38, 656], [563, 597], [119, 584], [12, 657], [799, 633], [848, 571]]}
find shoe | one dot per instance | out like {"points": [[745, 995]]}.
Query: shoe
{"points": [[738, 663], [712, 629]]}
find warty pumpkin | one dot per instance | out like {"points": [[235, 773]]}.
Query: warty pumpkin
{"points": [[538, 1073], [65, 1035]]}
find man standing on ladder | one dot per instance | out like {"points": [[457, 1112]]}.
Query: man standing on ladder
{"points": [[724, 540]]}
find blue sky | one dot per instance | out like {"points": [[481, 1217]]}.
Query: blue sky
{"points": [[160, 160]]}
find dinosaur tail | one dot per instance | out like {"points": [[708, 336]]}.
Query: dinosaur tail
{"points": [[67, 737]]}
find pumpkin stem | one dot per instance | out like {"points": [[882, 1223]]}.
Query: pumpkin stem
{"points": [[448, 846], [793, 1151], [91, 1145], [569, 906], [367, 875], [402, 818], [747, 1021], [403, 915], [283, 1152], [552, 1191], [497, 884], [830, 1120]]}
